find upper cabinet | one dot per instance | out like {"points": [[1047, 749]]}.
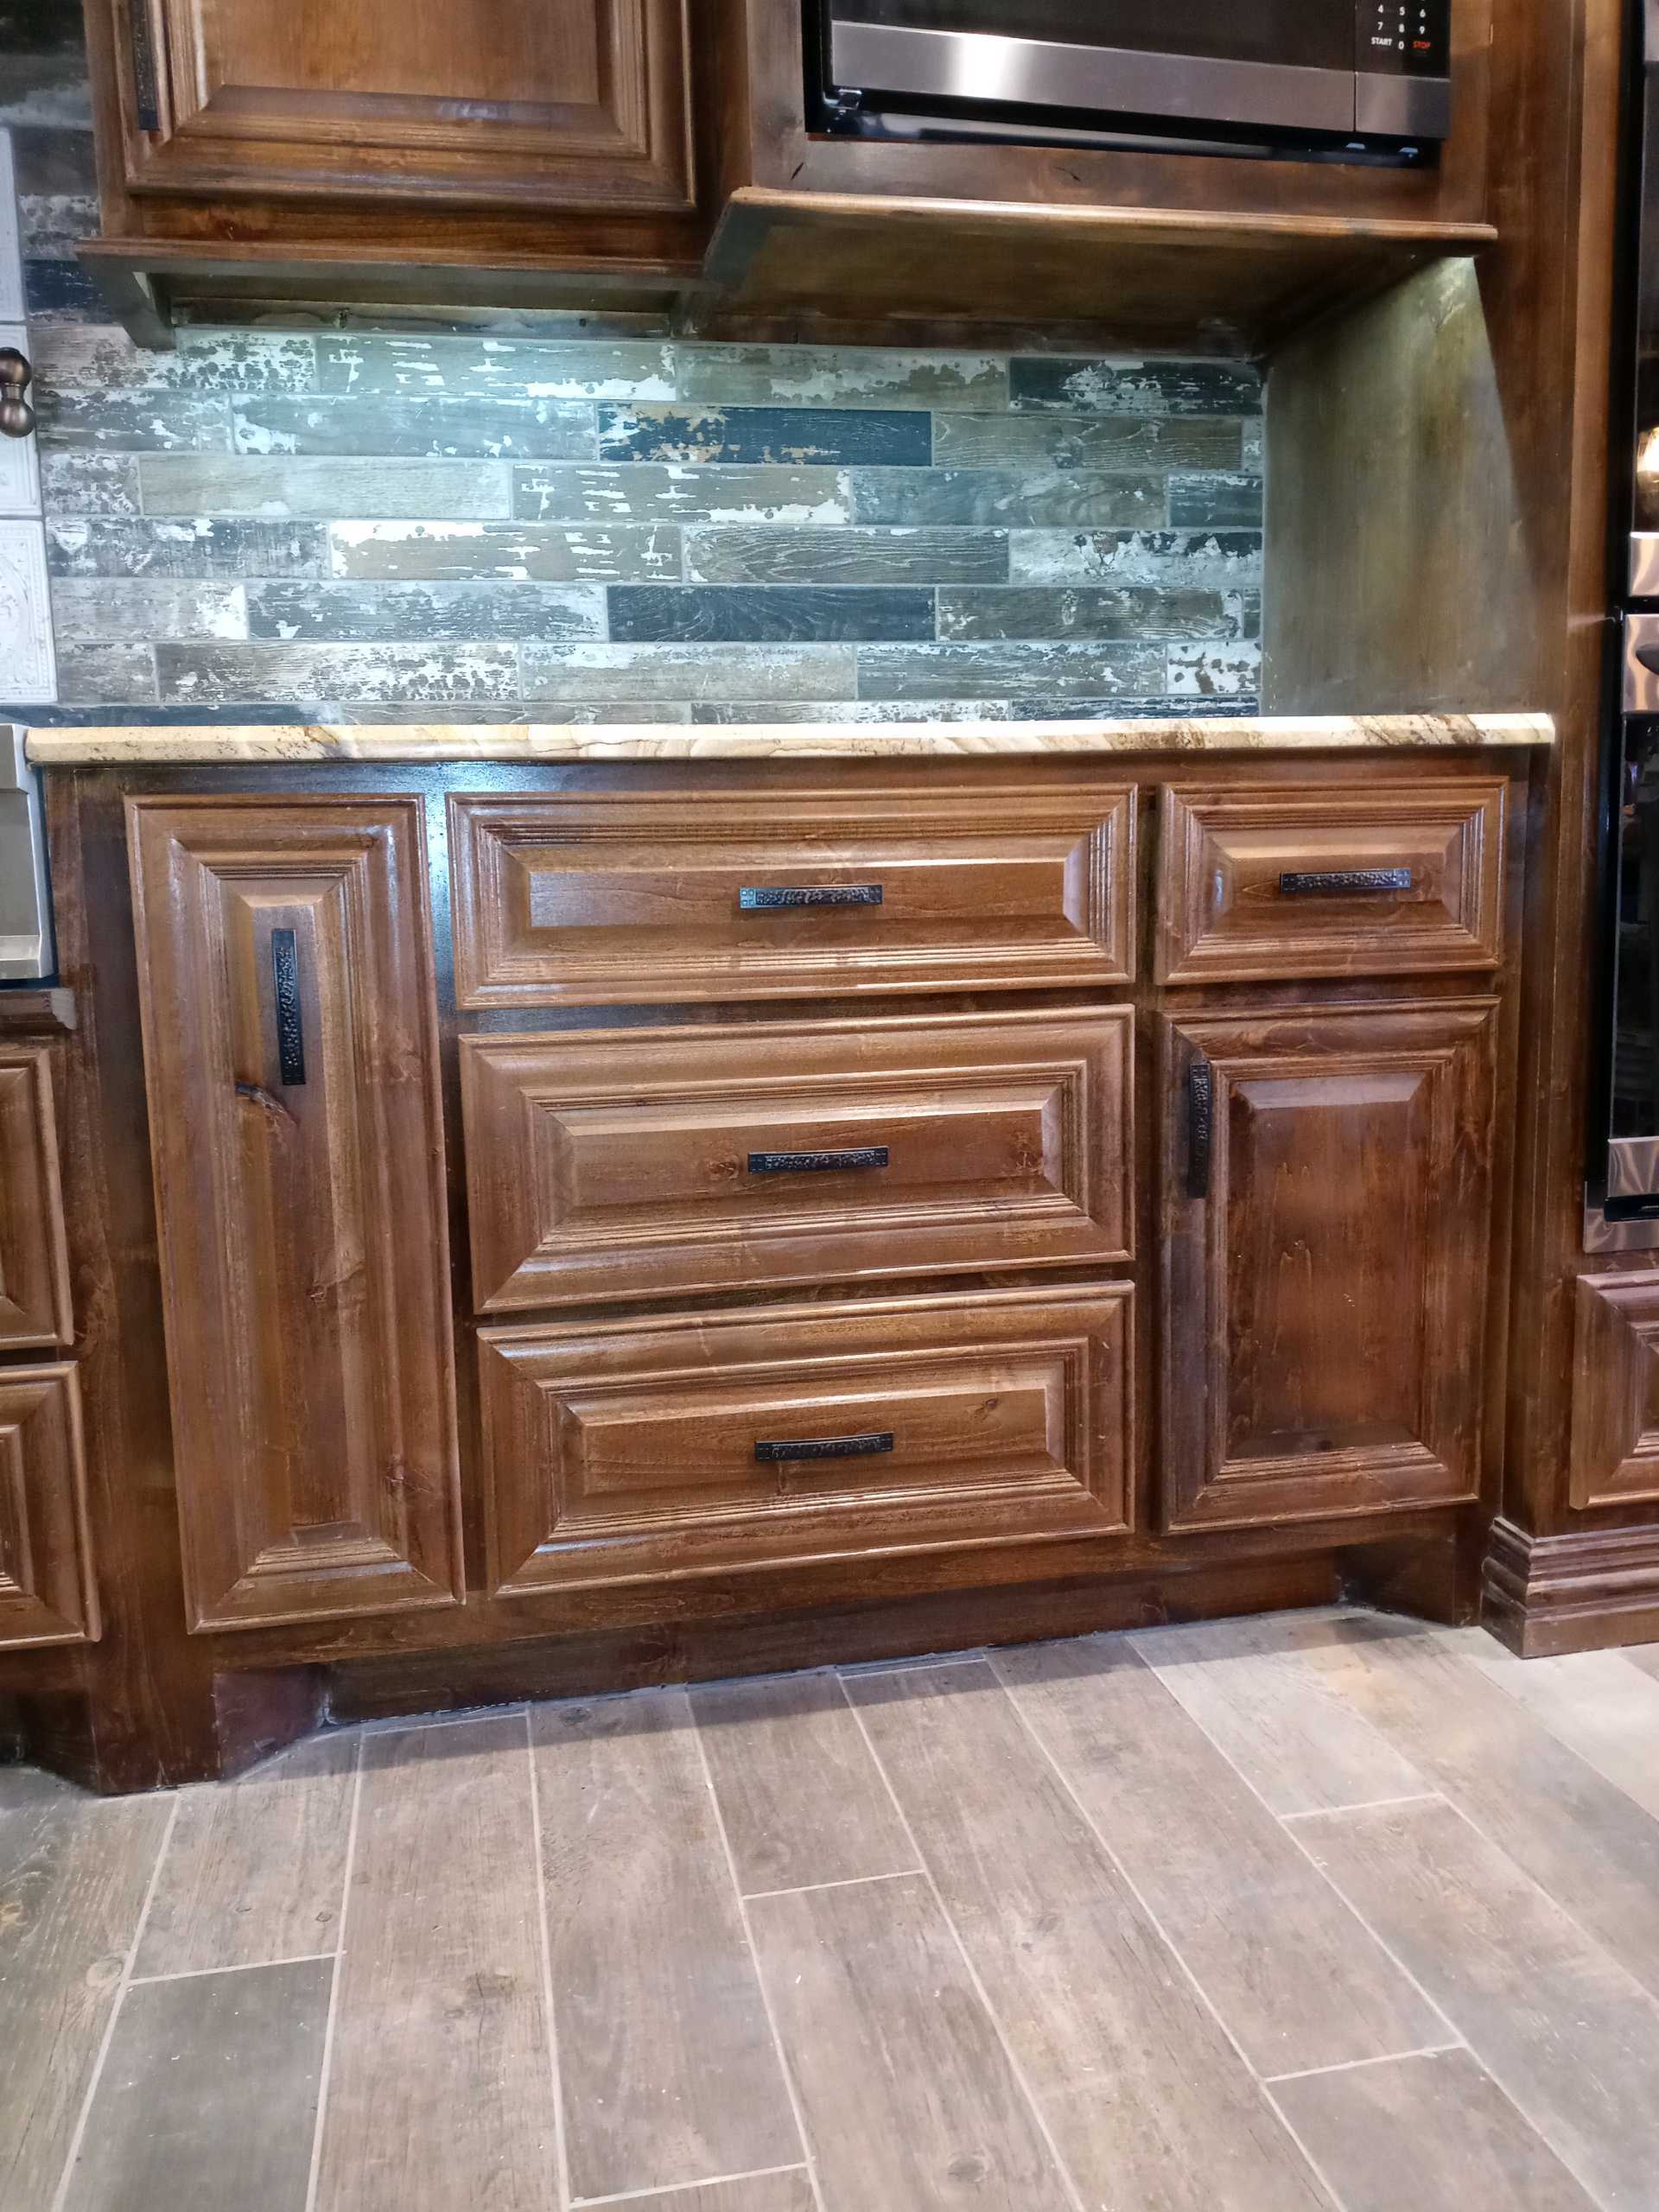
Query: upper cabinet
{"points": [[669, 154]]}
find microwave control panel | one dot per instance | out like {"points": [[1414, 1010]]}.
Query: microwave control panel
{"points": [[1404, 38]]}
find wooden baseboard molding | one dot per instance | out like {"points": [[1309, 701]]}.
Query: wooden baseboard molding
{"points": [[1584, 1591]]}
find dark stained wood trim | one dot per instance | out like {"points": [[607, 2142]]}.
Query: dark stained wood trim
{"points": [[26, 1011], [1581, 1591]]}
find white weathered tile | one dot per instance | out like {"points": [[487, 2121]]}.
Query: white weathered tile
{"points": [[28, 673], [11, 255], [20, 466]]}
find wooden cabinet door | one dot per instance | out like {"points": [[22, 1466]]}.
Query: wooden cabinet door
{"points": [[291, 1046], [580, 103], [47, 1592], [1326, 1208], [35, 1309]]}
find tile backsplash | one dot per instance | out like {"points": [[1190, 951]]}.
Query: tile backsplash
{"points": [[363, 523]]}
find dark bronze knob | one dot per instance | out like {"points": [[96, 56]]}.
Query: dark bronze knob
{"points": [[17, 415]]}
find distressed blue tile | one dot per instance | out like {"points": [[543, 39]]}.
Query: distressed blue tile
{"points": [[851, 556], [88, 483], [761, 672], [1086, 611], [776, 436], [130, 422], [685, 612], [1224, 560], [489, 368], [59, 291], [211, 484], [1159, 708], [361, 614], [88, 362], [105, 674], [1139, 444], [485, 429], [140, 609], [1220, 667], [1005, 671], [1009, 498], [528, 552], [853, 712], [198, 546], [1215, 502], [838, 376], [1107, 386], [449, 674], [646, 491]]}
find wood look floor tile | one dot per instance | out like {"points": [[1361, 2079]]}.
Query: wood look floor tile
{"points": [[1434, 2134], [74, 1872], [255, 1868], [909, 2097], [669, 2066], [1561, 2027], [1595, 1702], [803, 1800], [1148, 2103], [1297, 1981], [440, 2089], [1298, 1744], [783, 2192], [208, 2094]]}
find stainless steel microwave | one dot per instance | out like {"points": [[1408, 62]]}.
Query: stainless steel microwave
{"points": [[1348, 78]]}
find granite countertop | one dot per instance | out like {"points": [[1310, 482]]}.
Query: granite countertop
{"points": [[537, 742]]}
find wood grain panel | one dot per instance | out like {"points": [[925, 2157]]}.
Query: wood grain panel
{"points": [[297, 1153], [633, 1164], [441, 2069], [668, 2064], [1615, 1440], [48, 1592], [589, 899], [1293, 1975], [34, 1304], [633, 1451], [789, 2190], [1246, 890], [1595, 1702], [546, 106], [1147, 2100], [208, 2094], [908, 2096], [1324, 1299]]}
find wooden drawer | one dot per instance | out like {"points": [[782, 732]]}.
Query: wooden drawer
{"points": [[34, 1258], [653, 1451], [47, 1592], [628, 1165], [1329, 881], [700, 893]]}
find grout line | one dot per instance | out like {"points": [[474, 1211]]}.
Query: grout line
{"points": [[1353, 2065], [857, 1670], [851, 1882], [1367, 1805], [327, 2067], [122, 1987], [1068, 2180], [792, 2093], [402, 1723], [561, 2144], [673, 2188], [240, 1966]]}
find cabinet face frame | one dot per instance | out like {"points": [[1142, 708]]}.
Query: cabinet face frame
{"points": [[48, 1592], [631, 150], [238, 1125], [1427, 1068], [35, 1311]]}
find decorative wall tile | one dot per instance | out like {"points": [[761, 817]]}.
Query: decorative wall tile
{"points": [[111, 609], [1228, 502], [771, 612], [659, 491], [51, 224], [490, 368], [528, 552], [1006, 670], [483, 429], [1015, 498], [838, 376], [1223, 668], [1127, 442], [88, 483], [345, 614], [26, 660], [108, 674], [11, 255], [161, 422], [1200, 559], [206, 484], [692, 672], [453, 675], [729, 714], [20, 467], [193, 546], [1115, 386], [57, 291], [786, 436], [846, 556], [1087, 612]]}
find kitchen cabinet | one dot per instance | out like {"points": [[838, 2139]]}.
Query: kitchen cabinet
{"points": [[1327, 1198], [285, 969], [47, 1592], [34, 1304]]}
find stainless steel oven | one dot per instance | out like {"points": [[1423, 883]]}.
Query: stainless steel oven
{"points": [[1345, 75]]}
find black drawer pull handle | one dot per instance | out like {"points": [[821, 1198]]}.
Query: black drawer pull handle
{"points": [[285, 984], [1200, 1128], [817, 1163], [1316, 883], [775, 898], [829, 1447]]}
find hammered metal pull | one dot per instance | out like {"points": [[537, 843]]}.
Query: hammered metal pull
{"points": [[782, 898], [1334, 882], [828, 1448], [1200, 1128], [17, 415], [817, 1163], [290, 1030]]}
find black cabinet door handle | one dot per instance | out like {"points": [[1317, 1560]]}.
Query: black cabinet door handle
{"points": [[1201, 1126], [817, 1163], [290, 1027], [781, 897], [828, 1448], [1334, 882]]}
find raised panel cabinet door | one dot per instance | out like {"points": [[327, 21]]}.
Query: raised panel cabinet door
{"points": [[647, 1451], [47, 1591], [1615, 1454], [514, 104], [1326, 1207], [644, 1163], [290, 1049], [656, 897], [35, 1308]]}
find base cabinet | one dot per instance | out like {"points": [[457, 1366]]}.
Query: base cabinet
{"points": [[47, 1591], [291, 1053], [1327, 1197]]}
